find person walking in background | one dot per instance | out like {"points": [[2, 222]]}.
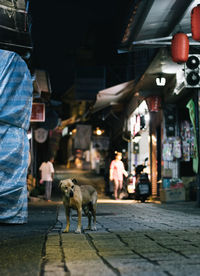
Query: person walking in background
{"points": [[47, 175], [117, 171]]}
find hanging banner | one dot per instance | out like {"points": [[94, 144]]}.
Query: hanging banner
{"points": [[191, 106], [153, 103], [83, 137], [101, 142]]}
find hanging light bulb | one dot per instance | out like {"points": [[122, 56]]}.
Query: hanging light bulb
{"points": [[98, 131]]}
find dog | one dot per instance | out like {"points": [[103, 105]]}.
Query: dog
{"points": [[79, 198]]}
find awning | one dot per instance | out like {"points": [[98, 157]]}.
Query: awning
{"points": [[113, 95]]}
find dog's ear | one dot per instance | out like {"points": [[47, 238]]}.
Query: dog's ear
{"points": [[74, 181], [59, 185]]}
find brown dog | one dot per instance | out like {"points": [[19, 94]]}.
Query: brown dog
{"points": [[78, 198]]}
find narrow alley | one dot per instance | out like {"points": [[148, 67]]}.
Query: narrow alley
{"points": [[107, 93], [132, 238]]}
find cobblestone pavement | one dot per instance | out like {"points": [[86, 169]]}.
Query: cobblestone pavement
{"points": [[132, 238]]}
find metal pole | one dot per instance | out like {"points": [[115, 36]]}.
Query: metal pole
{"points": [[130, 147], [129, 156]]}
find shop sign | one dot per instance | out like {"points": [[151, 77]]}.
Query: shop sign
{"points": [[38, 112]]}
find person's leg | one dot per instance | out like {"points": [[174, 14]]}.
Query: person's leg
{"points": [[45, 189], [48, 187], [120, 187], [120, 184], [116, 183]]}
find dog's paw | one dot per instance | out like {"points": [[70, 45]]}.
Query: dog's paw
{"points": [[78, 231], [88, 229], [65, 231], [94, 228]]}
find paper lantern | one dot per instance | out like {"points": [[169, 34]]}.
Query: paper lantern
{"points": [[195, 23], [180, 48], [153, 103]]}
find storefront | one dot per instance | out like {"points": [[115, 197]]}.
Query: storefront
{"points": [[138, 146], [180, 161]]}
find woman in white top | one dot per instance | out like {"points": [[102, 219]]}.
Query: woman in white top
{"points": [[47, 174]]}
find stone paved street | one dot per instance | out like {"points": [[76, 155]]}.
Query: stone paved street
{"points": [[132, 238]]}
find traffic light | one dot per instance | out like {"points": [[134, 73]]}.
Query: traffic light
{"points": [[192, 71]]}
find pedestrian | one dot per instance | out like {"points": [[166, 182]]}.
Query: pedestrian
{"points": [[47, 175], [117, 171]]}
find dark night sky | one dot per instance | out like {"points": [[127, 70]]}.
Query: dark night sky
{"points": [[62, 28]]}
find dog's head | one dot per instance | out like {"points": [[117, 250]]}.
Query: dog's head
{"points": [[67, 187]]}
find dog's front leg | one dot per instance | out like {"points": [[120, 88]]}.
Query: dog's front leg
{"points": [[79, 211], [67, 213]]}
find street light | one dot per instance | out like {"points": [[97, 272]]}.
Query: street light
{"points": [[98, 131]]}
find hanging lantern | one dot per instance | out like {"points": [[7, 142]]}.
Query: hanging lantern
{"points": [[180, 48], [195, 23], [153, 103]]}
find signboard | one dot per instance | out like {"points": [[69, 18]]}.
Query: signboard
{"points": [[38, 112]]}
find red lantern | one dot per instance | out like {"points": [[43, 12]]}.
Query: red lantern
{"points": [[153, 103], [195, 23], [180, 48]]}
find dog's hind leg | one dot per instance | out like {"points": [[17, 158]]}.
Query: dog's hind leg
{"points": [[67, 213], [89, 216], [93, 210]]}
